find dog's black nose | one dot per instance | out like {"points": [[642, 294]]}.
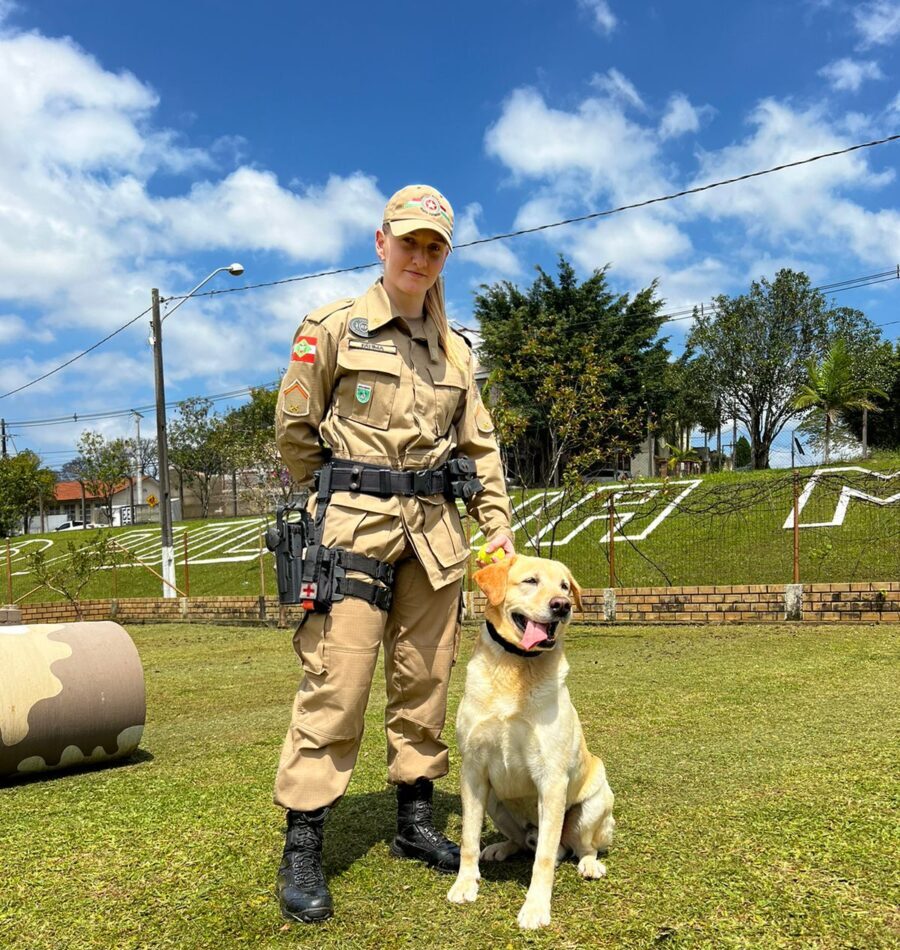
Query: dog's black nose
{"points": [[560, 606]]}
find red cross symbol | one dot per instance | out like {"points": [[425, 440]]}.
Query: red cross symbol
{"points": [[309, 590]]}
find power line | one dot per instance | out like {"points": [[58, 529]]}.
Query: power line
{"points": [[687, 313], [497, 237], [124, 326], [675, 316], [119, 413]]}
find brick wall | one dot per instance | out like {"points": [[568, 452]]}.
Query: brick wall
{"points": [[747, 603], [753, 603]]}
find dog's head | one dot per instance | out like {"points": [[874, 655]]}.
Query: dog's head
{"points": [[529, 600]]}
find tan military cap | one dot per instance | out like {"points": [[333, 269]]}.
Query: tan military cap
{"points": [[420, 206]]}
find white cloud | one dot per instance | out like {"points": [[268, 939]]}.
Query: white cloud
{"points": [[497, 258], [250, 209], [15, 329], [808, 203], [636, 245], [597, 143], [604, 19], [83, 238], [681, 117], [877, 23], [849, 74], [616, 86]]}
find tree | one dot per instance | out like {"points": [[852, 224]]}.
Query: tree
{"points": [[25, 486], [247, 435], [143, 456], [884, 421], [759, 344], [833, 387], [104, 465], [559, 338], [742, 452], [693, 402], [195, 449], [69, 574]]}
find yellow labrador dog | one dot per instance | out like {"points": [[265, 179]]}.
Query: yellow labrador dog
{"points": [[524, 757]]}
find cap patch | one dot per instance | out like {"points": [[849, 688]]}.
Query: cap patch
{"points": [[304, 350], [430, 205]]}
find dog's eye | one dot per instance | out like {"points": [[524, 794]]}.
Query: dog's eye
{"points": [[530, 580], [564, 586]]}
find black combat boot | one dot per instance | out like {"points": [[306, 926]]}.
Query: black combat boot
{"points": [[416, 835], [302, 890]]}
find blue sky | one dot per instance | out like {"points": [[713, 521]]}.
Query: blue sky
{"points": [[144, 145]]}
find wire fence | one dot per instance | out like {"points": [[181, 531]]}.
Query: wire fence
{"points": [[686, 530], [682, 530]]}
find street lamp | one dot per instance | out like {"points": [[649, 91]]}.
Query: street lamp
{"points": [[165, 510]]}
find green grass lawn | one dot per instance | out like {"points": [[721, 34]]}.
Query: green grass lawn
{"points": [[754, 769], [729, 529]]}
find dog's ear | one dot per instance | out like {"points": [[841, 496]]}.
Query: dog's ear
{"points": [[493, 579], [576, 591]]}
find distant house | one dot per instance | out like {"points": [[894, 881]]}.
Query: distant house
{"points": [[74, 502]]}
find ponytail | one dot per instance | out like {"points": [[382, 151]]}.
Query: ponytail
{"points": [[437, 311]]}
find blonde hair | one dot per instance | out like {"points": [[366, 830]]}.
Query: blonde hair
{"points": [[453, 346]]}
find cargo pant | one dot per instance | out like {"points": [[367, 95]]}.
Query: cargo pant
{"points": [[338, 652]]}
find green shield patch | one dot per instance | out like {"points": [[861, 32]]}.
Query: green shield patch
{"points": [[363, 393]]}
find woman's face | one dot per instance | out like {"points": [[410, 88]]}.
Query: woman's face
{"points": [[412, 262]]}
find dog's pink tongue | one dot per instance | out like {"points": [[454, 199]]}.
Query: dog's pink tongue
{"points": [[534, 633]]}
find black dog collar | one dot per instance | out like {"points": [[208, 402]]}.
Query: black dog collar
{"points": [[528, 654]]}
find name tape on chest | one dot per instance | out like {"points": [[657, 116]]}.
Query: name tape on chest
{"points": [[372, 347]]}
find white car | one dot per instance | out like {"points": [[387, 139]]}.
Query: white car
{"points": [[75, 526]]}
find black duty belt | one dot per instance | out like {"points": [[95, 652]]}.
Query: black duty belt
{"points": [[385, 482], [456, 478]]}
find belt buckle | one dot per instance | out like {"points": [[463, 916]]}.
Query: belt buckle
{"points": [[422, 482]]}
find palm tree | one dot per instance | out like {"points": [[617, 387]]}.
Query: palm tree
{"points": [[832, 387]]}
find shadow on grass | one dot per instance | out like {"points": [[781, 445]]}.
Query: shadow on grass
{"points": [[361, 822], [32, 778]]}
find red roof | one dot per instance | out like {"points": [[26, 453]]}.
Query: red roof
{"points": [[71, 491]]}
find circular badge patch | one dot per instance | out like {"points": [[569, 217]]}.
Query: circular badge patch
{"points": [[359, 326], [430, 205]]}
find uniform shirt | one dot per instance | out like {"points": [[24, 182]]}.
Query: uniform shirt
{"points": [[376, 389]]}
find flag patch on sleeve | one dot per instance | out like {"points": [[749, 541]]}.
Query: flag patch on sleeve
{"points": [[304, 350]]}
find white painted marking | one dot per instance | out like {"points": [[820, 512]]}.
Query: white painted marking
{"points": [[843, 503]]}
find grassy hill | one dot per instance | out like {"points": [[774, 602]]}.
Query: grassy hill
{"points": [[727, 528]]}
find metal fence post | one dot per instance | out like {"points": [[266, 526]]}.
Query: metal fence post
{"points": [[796, 527], [187, 569], [612, 540], [9, 599]]}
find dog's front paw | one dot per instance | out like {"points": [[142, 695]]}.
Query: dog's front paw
{"points": [[464, 890], [590, 868], [499, 851], [534, 914]]}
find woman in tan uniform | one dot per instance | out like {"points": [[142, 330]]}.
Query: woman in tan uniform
{"points": [[380, 399]]}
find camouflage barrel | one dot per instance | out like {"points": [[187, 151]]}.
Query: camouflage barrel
{"points": [[70, 694]]}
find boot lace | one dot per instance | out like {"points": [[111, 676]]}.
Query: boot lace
{"points": [[422, 819], [304, 858]]}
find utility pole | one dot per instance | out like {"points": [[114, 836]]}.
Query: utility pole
{"points": [[139, 458], [3, 437], [162, 450]]}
